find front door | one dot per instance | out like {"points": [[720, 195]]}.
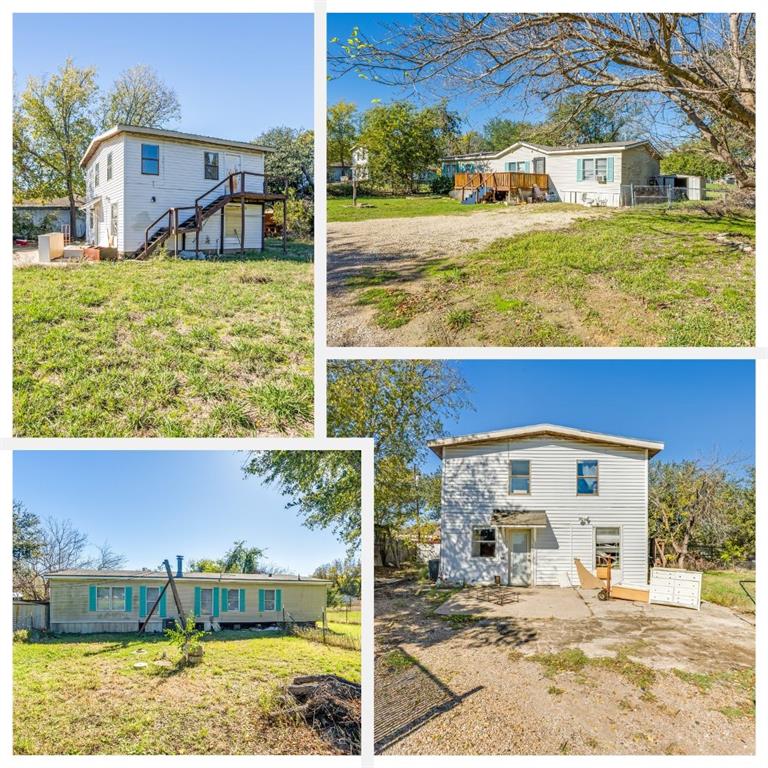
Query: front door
{"points": [[232, 165], [519, 555]]}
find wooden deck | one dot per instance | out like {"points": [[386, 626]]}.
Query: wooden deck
{"points": [[501, 181]]}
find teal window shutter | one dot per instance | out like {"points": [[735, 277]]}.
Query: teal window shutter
{"points": [[197, 601], [580, 169], [609, 169], [261, 600], [242, 601], [507, 166], [278, 599], [161, 607], [92, 597], [215, 601], [224, 600], [527, 166], [142, 601], [129, 599]]}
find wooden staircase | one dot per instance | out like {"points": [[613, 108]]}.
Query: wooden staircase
{"points": [[232, 189]]}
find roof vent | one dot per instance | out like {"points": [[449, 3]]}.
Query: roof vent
{"points": [[179, 566]]}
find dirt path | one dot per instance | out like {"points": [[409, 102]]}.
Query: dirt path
{"points": [[478, 688], [404, 245]]}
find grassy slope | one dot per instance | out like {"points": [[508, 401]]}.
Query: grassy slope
{"points": [[82, 695], [723, 588], [646, 276], [164, 348]]}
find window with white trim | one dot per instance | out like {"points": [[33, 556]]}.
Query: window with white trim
{"points": [[233, 600], [589, 169], [109, 166], [483, 542], [152, 594], [269, 599], [113, 220], [520, 477], [587, 477], [211, 165], [96, 175], [608, 544], [206, 601], [110, 598]]}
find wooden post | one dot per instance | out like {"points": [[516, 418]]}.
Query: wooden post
{"points": [[285, 214], [197, 229], [221, 231], [144, 623], [242, 222], [632, 193], [176, 598]]}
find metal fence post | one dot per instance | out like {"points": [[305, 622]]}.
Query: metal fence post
{"points": [[632, 194]]}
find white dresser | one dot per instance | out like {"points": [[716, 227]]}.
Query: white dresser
{"points": [[675, 586]]}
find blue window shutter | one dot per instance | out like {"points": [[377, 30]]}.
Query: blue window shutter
{"points": [[278, 599], [129, 599], [92, 597], [261, 600], [142, 601], [609, 169], [215, 601], [580, 169], [527, 166], [197, 601], [242, 601], [161, 607], [224, 600]]}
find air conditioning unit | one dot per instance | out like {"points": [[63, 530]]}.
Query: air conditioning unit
{"points": [[601, 179]]}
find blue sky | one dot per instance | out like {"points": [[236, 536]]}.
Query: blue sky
{"points": [[698, 408], [230, 71], [152, 505], [361, 91]]}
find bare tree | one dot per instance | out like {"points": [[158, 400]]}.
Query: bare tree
{"points": [[700, 66], [107, 559]]}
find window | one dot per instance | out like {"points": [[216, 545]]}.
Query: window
{"points": [[586, 478], [96, 175], [601, 166], [113, 220], [150, 159], [483, 542], [539, 165], [589, 169], [110, 598], [608, 544], [206, 602], [233, 600], [109, 166], [211, 162], [152, 594], [519, 476], [269, 599]]}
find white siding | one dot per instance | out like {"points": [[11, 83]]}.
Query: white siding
{"points": [[475, 482], [180, 181], [110, 191]]}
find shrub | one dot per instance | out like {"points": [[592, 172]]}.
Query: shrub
{"points": [[301, 216], [441, 185], [21, 636], [25, 227], [186, 637]]}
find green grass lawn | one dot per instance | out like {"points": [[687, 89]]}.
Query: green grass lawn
{"points": [[723, 588], [340, 208], [647, 276], [83, 695], [165, 348]]}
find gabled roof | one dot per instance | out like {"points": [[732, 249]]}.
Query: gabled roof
{"points": [[551, 430], [188, 575], [162, 133], [563, 149], [53, 202]]}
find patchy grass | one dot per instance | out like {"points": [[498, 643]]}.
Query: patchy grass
{"points": [[165, 348], [649, 276], [575, 660], [82, 695], [553, 690], [340, 209], [742, 679], [397, 660], [459, 620], [723, 588]]}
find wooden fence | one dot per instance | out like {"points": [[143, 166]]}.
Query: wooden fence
{"points": [[30, 615], [501, 181]]}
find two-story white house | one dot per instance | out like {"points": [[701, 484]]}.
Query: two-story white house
{"points": [[522, 504], [191, 191]]}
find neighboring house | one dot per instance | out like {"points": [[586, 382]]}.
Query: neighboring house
{"points": [[53, 213], [521, 504], [83, 600], [135, 177], [339, 172], [585, 173]]}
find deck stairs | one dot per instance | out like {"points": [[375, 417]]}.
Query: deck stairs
{"points": [[478, 195]]}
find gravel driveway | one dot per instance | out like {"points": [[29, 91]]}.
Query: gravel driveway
{"points": [[405, 245], [667, 684]]}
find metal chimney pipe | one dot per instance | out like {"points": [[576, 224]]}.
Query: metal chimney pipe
{"points": [[179, 566]]}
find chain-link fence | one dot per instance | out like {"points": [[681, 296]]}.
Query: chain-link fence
{"points": [[652, 194]]}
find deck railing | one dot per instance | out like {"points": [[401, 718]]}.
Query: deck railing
{"points": [[500, 181]]}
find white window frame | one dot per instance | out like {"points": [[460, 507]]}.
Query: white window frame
{"points": [[268, 592], [109, 166], [114, 212], [617, 563], [477, 540], [591, 175], [604, 171], [203, 611], [96, 175], [206, 165], [236, 592], [151, 600], [111, 599], [579, 476], [512, 491]]}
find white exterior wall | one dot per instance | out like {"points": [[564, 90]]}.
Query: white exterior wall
{"points": [[112, 191], [518, 155], [210, 234], [180, 181], [475, 482]]}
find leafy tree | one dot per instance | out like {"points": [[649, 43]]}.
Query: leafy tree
{"points": [[294, 158], [693, 158], [140, 97], [28, 538], [403, 141], [239, 558], [346, 578], [52, 128], [401, 404], [465, 143], [500, 133], [324, 486], [342, 126]]}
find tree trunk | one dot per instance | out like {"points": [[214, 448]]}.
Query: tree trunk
{"points": [[72, 211]]}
